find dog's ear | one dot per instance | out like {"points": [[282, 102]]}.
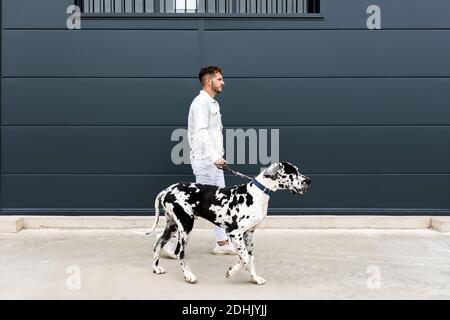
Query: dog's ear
{"points": [[272, 171]]}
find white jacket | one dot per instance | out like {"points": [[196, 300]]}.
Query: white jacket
{"points": [[205, 129]]}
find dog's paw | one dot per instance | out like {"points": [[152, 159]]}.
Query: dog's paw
{"points": [[158, 270], [229, 273], [258, 280], [190, 277]]}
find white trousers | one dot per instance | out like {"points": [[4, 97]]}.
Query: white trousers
{"points": [[207, 173]]}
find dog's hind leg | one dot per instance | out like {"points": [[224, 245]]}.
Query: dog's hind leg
{"points": [[183, 217], [183, 238], [161, 241]]}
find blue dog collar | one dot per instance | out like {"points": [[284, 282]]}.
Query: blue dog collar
{"points": [[261, 187]]}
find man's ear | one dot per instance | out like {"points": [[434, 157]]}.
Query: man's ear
{"points": [[272, 171]]}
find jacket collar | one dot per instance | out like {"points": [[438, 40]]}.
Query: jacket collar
{"points": [[207, 96]]}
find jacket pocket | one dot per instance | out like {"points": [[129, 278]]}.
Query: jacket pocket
{"points": [[216, 120]]}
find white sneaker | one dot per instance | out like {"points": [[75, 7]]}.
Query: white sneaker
{"points": [[225, 249], [170, 247]]}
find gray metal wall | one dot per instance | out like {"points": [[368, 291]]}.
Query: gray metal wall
{"points": [[87, 114]]}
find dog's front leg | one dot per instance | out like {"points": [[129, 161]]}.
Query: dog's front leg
{"points": [[248, 239], [241, 249]]}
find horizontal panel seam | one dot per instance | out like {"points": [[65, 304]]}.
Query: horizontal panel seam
{"points": [[228, 77], [231, 126], [185, 174], [274, 28]]}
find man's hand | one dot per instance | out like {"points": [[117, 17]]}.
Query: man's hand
{"points": [[220, 163]]}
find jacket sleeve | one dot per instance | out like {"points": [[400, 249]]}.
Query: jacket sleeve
{"points": [[202, 138]]}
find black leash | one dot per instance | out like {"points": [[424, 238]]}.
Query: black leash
{"points": [[225, 167]]}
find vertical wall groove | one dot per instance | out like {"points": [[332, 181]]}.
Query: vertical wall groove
{"points": [[1, 99], [201, 34]]}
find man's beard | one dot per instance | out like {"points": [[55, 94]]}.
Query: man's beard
{"points": [[216, 90]]}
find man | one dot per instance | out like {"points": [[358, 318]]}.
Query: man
{"points": [[206, 144]]}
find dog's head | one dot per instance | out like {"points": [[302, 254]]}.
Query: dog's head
{"points": [[287, 176]]}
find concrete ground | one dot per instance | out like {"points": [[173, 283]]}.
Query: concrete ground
{"points": [[297, 264]]}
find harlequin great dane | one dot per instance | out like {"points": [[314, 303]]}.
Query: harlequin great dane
{"points": [[238, 210]]}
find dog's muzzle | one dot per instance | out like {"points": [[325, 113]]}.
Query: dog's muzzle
{"points": [[306, 183]]}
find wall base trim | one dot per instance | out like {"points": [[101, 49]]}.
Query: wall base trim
{"points": [[439, 223]]}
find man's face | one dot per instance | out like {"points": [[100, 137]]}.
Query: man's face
{"points": [[217, 83]]}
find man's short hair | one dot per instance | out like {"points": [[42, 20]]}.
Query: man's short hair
{"points": [[211, 70]]}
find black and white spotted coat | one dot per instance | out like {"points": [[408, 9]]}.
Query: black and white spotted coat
{"points": [[238, 210]]}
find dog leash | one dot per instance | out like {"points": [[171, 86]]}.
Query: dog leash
{"points": [[234, 172], [256, 182]]}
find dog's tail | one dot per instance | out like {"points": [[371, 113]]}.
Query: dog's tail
{"points": [[157, 202]]}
